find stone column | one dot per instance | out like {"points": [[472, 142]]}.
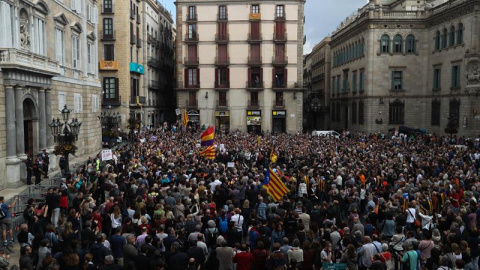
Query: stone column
{"points": [[19, 122], [10, 115], [42, 121], [48, 117]]}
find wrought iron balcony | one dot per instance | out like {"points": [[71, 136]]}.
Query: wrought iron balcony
{"points": [[222, 61]]}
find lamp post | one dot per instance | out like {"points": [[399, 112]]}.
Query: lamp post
{"points": [[66, 137], [315, 107], [109, 122]]}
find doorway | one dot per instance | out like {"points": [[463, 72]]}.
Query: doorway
{"points": [[28, 132]]}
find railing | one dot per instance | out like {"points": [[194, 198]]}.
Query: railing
{"points": [[255, 37], [192, 104], [112, 101], [191, 38], [190, 61], [254, 104], [222, 17], [280, 17], [279, 61], [139, 42], [222, 61], [153, 62], [10, 57], [279, 84], [107, 10], [133, 100], [280, 37], [222, 37], [254, 84], [222, 84], [401, 14], [279, 103], [255, 60], [107, 36], [154, 84], [191, 17], [222, 103]]}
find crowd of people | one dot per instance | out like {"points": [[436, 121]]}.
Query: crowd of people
{"points": [[368, 201]]}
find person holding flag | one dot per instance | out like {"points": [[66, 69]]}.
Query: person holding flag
{"points": [[185, 118], [273, 157], [274, 186]]}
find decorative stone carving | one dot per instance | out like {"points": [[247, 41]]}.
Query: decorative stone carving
{"points": [[24, 35], [473, 73]]}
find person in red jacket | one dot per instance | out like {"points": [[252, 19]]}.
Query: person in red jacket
{"points": [[244, 258]]}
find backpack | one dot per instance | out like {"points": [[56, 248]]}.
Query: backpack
{"points": [[212, 237], [223, 224], [2, 213]]}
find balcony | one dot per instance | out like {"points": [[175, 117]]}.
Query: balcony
{"points": [[279, 103], [222, 103], [280, 17], [222, 61], [255, 16], [137, 101], [117, 101], [255, 61], [139, 42], [279, 61], [191, 38], [13, 58], [107, 35], [222, 84], [187, 85], [191, 17], [222, 38], [190, 61], [154, 85], [252, 85], [279, 83], [153, 62], [255, 38], [280, 37], [254, 104], [133, 39], [108, 65], [108, 10], [222, 17], [191, 103]]}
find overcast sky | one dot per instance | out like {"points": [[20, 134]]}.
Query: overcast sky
{"points": [[321, 17]]}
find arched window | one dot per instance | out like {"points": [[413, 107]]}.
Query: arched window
{"points": [[460, 33], [451, 36], [437, 40], [385, 44], [398, 44], [444, 38], [410, 44]]}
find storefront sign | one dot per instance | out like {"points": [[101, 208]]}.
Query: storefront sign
{"points": [[137, 68], [254, 113], [279, 113], [222, 113]]}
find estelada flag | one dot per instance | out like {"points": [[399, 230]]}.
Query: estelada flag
{"points": [[208, 137], [209, 152], [274, 186], [185, 118]]}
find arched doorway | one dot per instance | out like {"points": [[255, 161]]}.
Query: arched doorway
{"points": [[28, 128]]}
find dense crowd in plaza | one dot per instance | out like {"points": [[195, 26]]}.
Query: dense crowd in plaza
{"points": [[370, 201]]}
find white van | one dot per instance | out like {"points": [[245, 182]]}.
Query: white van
{"points": [[326, 133]]}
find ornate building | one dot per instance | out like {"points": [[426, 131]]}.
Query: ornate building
{"points": [[240, 64], [48, 53], [407, 63]]}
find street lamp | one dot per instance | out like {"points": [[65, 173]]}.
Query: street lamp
{"points": [[66, 137], [110, 122]]}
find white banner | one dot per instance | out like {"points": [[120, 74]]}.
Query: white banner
{"points": [[107, 154]]}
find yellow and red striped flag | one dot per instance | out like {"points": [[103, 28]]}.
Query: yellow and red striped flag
{"points": [[209, 152], [185, 118], [274, 186]]}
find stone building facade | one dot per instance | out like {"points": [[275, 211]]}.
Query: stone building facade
{"points": [[240, 64], [407, 63], [135, 51], [47, 60]]}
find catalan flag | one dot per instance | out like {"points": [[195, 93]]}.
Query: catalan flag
{"points": [[185, 118], [208, 137], [274, 186], [273, 157], [209, 152]]}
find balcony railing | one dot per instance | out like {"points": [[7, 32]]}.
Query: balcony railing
{"points": [[139, 42], [193, 37], [154, 84], [153, 62], [137, 100], [110, 35], [254, 60], [254, 104], [222, 61], [133, 39], [222, 17], [191, 103], [192, 85], [117, 101], [254, 84], [279, 83], [279, 103], [221, 38], [279, 60], [10, 57], [255, 37], [280, 37], [191, 17], [107, 10], [190, 61], [280, 17], [222, 84], [222, 103]]}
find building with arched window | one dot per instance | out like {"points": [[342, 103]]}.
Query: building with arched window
{"points": [[419, 66], [48, 59]]}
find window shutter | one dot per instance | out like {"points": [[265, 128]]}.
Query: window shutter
{"points": [[73, 4], [285, 77], [274, 79], [453, 77], [249, 76], [198, 78], [186, 83], [216, 77], [393, 80], [228, 76], [58, 45], [117, 84], [74, 62], [261, 75], [61, 101], [95, 15], [79, 6]]}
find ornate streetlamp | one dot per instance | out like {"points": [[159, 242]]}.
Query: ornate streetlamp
{"points": [[66, 137], [110, 122]]}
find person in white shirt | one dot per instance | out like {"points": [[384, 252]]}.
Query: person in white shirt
{"points": [[238, 219], [295, 252], [411, 215]]}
